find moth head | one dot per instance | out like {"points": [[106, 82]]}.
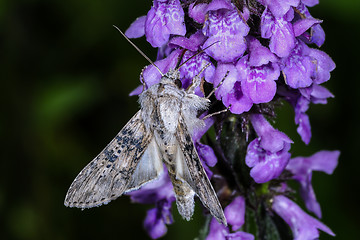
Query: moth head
{"points": [[172, 77]]}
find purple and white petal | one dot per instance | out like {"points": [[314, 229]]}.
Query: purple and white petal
{"points": [[279, 7], [298, 67], [198, 12], [324, 65], [194, 66], [280, 31], [258, 82], [192, 43], [304, 24], [226, 30], [268, 154], [224, 79], [236, 100], [163, 19], [258, 54]]}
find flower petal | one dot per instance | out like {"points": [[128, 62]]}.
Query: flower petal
{"points": [[303, 226], [226, 30], [302, 167], [163, 19], [137, 28], [235, 213]]}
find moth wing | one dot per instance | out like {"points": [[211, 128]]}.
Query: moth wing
{"points": [[149, 168], [108, 175], [190, 169]]}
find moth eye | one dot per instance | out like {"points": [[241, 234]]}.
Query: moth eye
{"points": [[178, 83]]}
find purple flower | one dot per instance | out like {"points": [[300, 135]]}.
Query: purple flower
{"points": [[302, 119], [324, 65], [258, 72], [152, 76], [187, 71], [315, 94], [159, 192], [227, 30], [165, 17], [206, 153], [302, 225], [192, 43], [230, 90], [198, 12], [197, 63], [224, 86], [302, 167], [157, 218], [258, 82], [192, 68], [235, 215], [268, 154], [280, 31], [258, 54], [298, 68], [279, 7], [137, 28], [302, 25], [317, 34], [310, 3], [306, 65]]}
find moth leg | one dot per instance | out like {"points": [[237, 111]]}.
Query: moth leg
{"points": [[196, 81], [216, 113], [221, 82]]}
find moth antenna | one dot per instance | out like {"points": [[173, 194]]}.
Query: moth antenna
{"points": [[180, 58], [196, 54], [142, 80], [138, 49]]}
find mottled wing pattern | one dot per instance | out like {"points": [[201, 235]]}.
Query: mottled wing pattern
{"points": [[194, 173], [107, 176]]}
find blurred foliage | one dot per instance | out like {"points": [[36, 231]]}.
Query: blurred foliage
{"points": [[65, 77]]}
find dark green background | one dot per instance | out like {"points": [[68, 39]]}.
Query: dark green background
{"points": [[65, 75]]}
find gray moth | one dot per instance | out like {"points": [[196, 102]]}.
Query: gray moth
{"points": [[158, 134]]}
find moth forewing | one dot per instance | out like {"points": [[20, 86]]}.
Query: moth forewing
{"points": [[195, 174], [108, 175]]}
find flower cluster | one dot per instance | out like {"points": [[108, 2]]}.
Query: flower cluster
{"points": [[255, 54]]}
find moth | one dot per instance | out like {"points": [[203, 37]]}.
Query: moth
{"points": [[158, 134]]}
